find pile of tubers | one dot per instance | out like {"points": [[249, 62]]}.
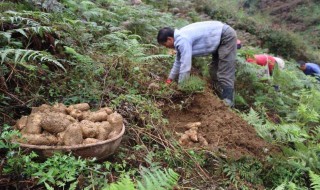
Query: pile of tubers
{"points": [[59, 125], [191, 136]]}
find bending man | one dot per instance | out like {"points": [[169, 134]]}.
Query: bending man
{"points": [[204, 38], [310, 69]]}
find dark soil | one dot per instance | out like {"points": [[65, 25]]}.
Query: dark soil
{"points": [[224, 130]]}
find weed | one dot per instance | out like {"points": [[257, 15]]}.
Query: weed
{"points": [[192, 85]]}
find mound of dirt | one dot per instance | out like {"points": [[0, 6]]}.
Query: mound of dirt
{"points": [[223, 129]]}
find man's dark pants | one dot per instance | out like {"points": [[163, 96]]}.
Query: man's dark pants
{"points": [[223, 66]]}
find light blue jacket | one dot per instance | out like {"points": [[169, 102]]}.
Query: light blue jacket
{"points": [[200, 38], [311, 69]]}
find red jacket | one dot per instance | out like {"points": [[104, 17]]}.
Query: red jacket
{"points": [[263, 59]]}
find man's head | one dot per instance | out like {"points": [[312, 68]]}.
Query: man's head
{"points": [[166, 37], [302, 65]]}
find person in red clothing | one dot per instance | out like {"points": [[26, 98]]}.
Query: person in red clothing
{"points": [[264, 59]]}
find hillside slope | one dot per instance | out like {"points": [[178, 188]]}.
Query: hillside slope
{"points": [[297, 15]]}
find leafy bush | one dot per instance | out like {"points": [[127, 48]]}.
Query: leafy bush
{"points": [[242, 171], [283, 42], [192, 84]]}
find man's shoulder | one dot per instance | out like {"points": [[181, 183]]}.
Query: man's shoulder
{"points": [[312, 65]]}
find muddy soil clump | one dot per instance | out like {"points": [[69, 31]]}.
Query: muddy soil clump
{"points": [[222, 128]]}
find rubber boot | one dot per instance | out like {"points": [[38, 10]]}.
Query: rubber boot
{"points": [[227, 96], [217, 90]]}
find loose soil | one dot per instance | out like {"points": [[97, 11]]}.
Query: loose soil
{"points": [[224, 130]]}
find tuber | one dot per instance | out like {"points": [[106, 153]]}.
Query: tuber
{"points": [[55, 122], [21, 123], [90, 141], [38, 139], [33, 124], [73, 135], [89, 129]]}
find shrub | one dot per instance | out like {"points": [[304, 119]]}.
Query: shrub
{"points": [[192, 85]]}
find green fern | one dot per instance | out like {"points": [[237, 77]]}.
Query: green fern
{"points": [[158, 180], [307, 114], [244, 170], [77, 56], [272, 132], [34, 14], [26, 26], [124, 183], [20, 20], [153, 57], [282, 186], [288, 186], [20, 56], [303, 156], [155, 180], [93, 13], [315, 180], [253, 117]]}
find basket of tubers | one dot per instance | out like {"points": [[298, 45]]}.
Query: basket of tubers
{"points": [[74, 129]]}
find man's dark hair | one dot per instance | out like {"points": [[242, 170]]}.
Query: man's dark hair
{"points": [[164, 33], [301, 62]]}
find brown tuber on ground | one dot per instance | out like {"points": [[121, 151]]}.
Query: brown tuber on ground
{"points": [[184, 139], [194, 125], [202, 140], [191, 136]]}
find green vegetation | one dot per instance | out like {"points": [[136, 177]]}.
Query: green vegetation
{"points": [[104, 52]]}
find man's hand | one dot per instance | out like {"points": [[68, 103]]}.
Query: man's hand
{"points": [[168, 81]]}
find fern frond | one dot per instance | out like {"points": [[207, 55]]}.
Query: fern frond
{"points": [[153, 57], [303, 156], [124, 183], [253, 117], [73, 186], [272, 132], [34, 30], [20, 20], [315, 180], [77, 56], [282, 186], [22, 55], [158, 180], [6, 35], [155, 180], [93, 13], [87, 4]]}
